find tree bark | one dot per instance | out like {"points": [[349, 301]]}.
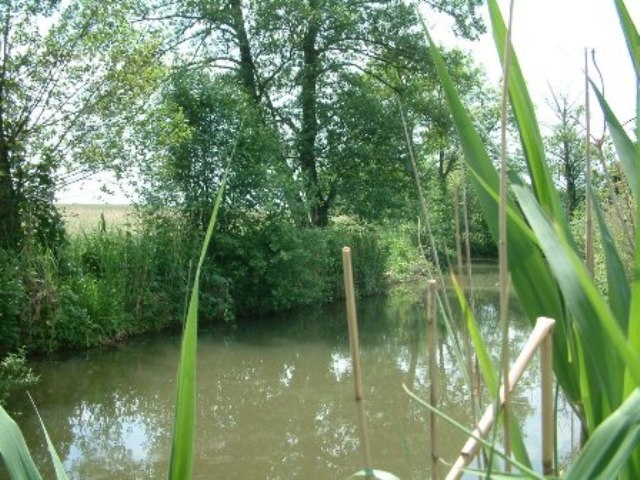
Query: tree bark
{"points": [[247, 68], [318, 204], [10, 224]]}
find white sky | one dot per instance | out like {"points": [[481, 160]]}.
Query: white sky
{"points": [[549, 37]]}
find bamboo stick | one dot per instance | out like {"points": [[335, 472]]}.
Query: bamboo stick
{"points": [[355, 356], [432, 335], [456, 215], [502, 243], [540, 332], [548, 426], [588, 205]]}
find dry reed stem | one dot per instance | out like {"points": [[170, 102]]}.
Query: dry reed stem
{"points": [[548, 426], [355, 356], [589, 208], [425, 211], [432, 335], [502, 244], [541, 331]]}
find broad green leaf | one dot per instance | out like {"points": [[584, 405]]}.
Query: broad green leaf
{"points": [[606, 453], [14, 451], [185, 415], [617, 285], [525, 116], [625, 147], [606, 345], [530, 274], [630, 34]]}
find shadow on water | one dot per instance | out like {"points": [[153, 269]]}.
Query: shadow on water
{"points": [[275, 399]]}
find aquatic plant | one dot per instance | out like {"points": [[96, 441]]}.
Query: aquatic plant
{"points": [[597, 337]]}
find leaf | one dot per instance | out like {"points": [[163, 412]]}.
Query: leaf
{"points": [[14, 450], [525, 116], [630, 34], [618, 287], [185, 415], [625, 147], [55, 459], [530, 274], [605, 344], [606, 453], [523, 468]]}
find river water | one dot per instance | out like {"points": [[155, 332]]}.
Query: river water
{"points": [[275, 400]]}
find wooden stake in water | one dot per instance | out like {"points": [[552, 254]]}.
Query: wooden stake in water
{"points": [[548, 426], [432, 333], [355, 356], [542, 329]]}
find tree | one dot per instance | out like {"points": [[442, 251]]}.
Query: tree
{"points": [[72, 79], [291, 57], [566, 147], [217, 120]]}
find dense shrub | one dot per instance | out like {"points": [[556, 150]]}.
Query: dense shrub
{"points": [[111, 284]]}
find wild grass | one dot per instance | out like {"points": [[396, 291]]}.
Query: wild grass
{"points": [[85, 218]]}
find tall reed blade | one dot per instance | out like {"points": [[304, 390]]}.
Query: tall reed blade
{"points": [[14, 451], [529, 271], [182, 446]]}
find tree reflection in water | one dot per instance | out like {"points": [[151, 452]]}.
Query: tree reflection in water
{"points": [[275, 399]]}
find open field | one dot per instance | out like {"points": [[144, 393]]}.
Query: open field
{"points": [[86, 217]]}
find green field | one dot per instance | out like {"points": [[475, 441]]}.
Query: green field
{"points": [[81, 218]]}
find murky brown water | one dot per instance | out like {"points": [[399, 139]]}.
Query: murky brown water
{"points": [[275, 400]]}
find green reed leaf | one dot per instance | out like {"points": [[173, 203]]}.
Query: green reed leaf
{"points": [[453, 422], [14, 451], [605, 343], [625, 147], [530, 274], [55, 459], [185, 414], [525, 116], [606, 453], [618, 290], [489, 372], [630, 34]]}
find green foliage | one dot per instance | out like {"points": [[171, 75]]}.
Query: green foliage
{"points": [[73, 76], [273, 266], [596, 354], [15, 373]]}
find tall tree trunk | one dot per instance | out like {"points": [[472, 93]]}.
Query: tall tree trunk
{"points": [[318, 205], [10, 225], [247, 67]]}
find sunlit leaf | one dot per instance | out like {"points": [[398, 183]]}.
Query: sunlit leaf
{"points": [[185, 414], [607, 451], [14, 451]]}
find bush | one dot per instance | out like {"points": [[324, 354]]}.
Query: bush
{"points": [[14, 373]]}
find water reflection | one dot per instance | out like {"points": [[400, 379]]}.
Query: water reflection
{"points": [[275, 400]]}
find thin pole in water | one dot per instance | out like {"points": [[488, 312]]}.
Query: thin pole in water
{"points": [[548, 425], [432, 332], [355, 356]]}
